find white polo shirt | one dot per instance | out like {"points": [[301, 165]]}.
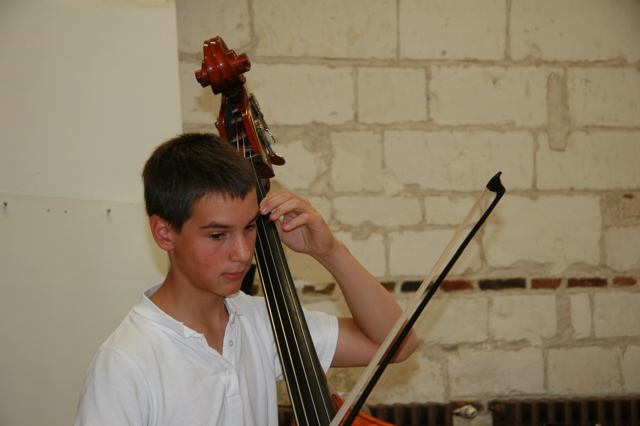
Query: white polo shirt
{"points": [[153, 370]]}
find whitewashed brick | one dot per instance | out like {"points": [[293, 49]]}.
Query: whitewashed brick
{"points": [[416, 379], [391, 211], [301, 169], [631, 369], [449, 210], [605, 96], [591, 160], [453, 320], [622, 246], [616, 314], [458, 29], [575, 30], [327, 305], [322, 205], [391, 95], [236, 32], [357, 161], [583, 371], [326, 29], [458, 160], [496, 372], [629, 207], [558, 230], [306, 270], [580, 307], [416, 253], [523, 316], [369, 251], [488, 95], [301, 94]]}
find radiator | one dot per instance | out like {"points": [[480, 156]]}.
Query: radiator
{"points": [[414, 414], [417, 414], [567, 412]]}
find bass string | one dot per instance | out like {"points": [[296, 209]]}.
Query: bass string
{"points": [[280, 321], [264, 251], [283, 316], [232, 127]]}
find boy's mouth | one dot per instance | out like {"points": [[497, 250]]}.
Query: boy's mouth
{"points": [[232, 276]]}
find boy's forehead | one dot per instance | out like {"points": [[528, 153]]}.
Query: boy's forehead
{"points": [[221, 205]]}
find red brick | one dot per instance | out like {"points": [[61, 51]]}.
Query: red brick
{"points": [[456, 285], [586, 282], [551, 283], [389, 285], [409, 286], [502, 284], [624, 281]]}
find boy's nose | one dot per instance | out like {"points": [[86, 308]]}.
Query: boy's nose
{"points": [[243, 251]]}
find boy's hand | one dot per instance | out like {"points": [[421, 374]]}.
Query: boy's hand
{"points": [[299, 225]]}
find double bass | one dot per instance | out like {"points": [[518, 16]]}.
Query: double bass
{"points": [[242, 124]]}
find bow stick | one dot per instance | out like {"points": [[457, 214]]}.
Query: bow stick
{"points": [[396, 336]]}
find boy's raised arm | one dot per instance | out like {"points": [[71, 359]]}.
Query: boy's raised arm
{"points": [[374, 311]]}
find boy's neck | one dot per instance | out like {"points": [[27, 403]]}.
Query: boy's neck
{"points": [[207, 314]]}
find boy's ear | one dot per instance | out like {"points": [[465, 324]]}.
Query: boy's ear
{"points": [[161, 232]]}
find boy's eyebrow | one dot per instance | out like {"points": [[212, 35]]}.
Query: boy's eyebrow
{"points": [[215, 225], [225, 226]]}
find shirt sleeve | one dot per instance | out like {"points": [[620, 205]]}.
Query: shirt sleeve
{"points": [[322, 327], [114, 392], [324, 332]]}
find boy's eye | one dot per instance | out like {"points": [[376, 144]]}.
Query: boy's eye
{"points": [[251, 227], [216, 236]]}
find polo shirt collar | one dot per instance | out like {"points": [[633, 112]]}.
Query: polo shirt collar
{"points": [[147, 309]]}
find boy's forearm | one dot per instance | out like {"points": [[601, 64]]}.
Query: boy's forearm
{"points": [[373, 309]]}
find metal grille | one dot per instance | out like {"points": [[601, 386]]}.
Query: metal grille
{"points": [[418, 414], [414, 414], [567, 412]]}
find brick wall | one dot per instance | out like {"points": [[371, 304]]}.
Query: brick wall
{"points": [[393, 115]]}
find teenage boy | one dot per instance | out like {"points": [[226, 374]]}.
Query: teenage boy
{"points": [[195, 350]]}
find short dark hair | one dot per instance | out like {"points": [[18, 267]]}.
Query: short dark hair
{"points": [[185, 168]]}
